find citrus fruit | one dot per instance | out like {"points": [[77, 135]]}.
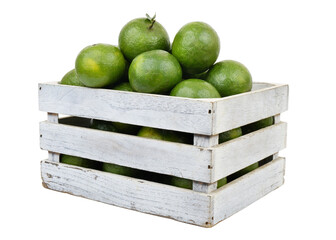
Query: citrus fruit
{"points": [[156, 71], [196, 46], [165, 135], [124, 78], [202, 75], [117, 169], [100, 65], [230, 77], [103, 125], [70, 78], [77, 161], [258, 125], [221, 182], [229, 135], [126, 128], [153, 133], [123, 127], [243, 171], [195, 88], [142, 35], [248, 169], [124, 86], [181, 182]]}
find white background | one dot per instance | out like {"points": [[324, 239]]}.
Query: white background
{"points": [[290, 42]]}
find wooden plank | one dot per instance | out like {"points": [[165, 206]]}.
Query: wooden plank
{"points": [[166, 112], [200, 116], [204, 187], [243, 191], [205, 141], [241, 152], [52, 117], [276, 120], [181, 160], [238, 110], [261, 85], [140, 195], [52, 156]]}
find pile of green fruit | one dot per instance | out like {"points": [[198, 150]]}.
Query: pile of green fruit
{"points": [[146, 61]]}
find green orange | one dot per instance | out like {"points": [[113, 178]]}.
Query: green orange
{"points": [[249, 168], [100, 65], [221, 182], [156, 71], [196, 46], [103, 125], [229, 78], [244, 171], [166, 135], [124, 86], [229, 135], [117, 169], [195, 88], [142, 35], [77, 161], [181, 182], [258, 125], [70, 78], [124, 127], [202, 75]]}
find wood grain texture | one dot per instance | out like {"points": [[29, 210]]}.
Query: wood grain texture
{"points": [[144, 196], [181, 160], [238, 110], [241, 152], [198, 116], [177, 203], [276, 120], [205, 141], [53, 156], [166, 112], [245, 190]]}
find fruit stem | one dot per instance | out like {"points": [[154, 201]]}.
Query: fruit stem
{"points": [[151, 19]]}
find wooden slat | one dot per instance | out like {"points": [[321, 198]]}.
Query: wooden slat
{"points": [[199, 116], [205, 141], [140, 195], [261, 85], [243, 191], [159, 199], [238, 110], [182, 160], [276, 120], [53, 156], [166, 112], [241, 152]]}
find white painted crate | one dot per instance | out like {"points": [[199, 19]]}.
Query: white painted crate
{"points": [[205, 162]]}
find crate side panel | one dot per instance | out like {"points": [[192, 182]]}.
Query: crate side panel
{"points": [[144, 196], [234, 155], [240, 193], [170, 158], [239, 110], [180, 114], [261, 85]]}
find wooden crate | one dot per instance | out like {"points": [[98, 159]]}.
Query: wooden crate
{"points": [[204, 163]]}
